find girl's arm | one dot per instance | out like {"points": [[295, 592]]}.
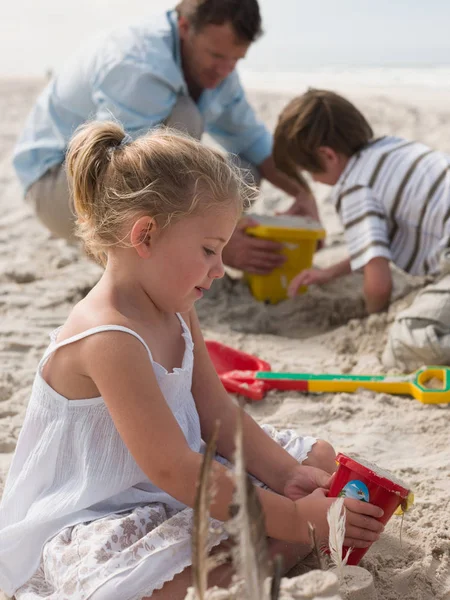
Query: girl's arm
{"points": [[119, 366], [265, 459], [126, 381]]}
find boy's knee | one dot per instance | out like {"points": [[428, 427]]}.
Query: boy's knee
{"points": [[322, 456], [420, 334], [413, 343], [397, 347]]}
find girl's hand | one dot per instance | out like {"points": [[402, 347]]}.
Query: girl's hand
{"points": [[308, 277], [303, 480], [361, 528]]}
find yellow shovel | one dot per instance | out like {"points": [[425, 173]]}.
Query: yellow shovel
{"points": [[430, 385]]}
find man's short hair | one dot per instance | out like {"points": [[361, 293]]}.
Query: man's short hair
{"points": [[244, 15]]}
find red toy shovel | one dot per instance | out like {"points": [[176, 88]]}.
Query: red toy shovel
{"points": [[249, 376], [228, 360]]}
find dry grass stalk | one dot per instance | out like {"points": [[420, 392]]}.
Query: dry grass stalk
{"points": [[202, 564], [276, 577], [247, 526], [315, 545]]}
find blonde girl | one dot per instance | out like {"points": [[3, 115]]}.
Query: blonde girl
{"points": [[98, 502]]}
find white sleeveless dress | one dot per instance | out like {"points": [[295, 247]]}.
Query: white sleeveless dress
{"points": [[79, 519]]}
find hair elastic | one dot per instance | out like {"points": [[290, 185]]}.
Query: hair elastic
{"points": [[127, 139]]}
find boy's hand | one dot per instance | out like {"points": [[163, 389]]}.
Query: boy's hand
{"points": [[303, 480], [361, 527], [308, 277]]}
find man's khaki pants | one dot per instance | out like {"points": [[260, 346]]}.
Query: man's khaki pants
{"points": [[420, 334], [50, 197]]}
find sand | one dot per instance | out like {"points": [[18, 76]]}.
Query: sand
{"points": [[314, 585], [324, 331], [357, 584]]}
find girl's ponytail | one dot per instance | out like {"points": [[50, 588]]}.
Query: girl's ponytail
{"points": [[88, 158]]}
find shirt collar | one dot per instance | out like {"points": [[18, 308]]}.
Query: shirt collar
{"points": [[343, 177], [349, 166], [205, 96], [172, 17]]}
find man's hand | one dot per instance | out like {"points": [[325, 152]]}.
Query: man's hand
{"points": [[304, 205], [303, 480], [252, 254], [308, 277], [304, 201]]}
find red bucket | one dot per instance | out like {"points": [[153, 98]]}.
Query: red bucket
{"points": [[363, 481]]}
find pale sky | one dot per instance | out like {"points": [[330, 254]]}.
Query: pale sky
{"points": [[39, 34]]}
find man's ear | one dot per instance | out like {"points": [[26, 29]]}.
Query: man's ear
{"points": [[184, 27], [142, 234]]}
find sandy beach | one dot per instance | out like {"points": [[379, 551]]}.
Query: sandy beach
{"points": [[324, 331]]}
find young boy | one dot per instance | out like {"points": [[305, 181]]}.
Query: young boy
{"points": [[393, 198]]}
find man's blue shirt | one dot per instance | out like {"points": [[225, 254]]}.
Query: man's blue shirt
{"points": [[133, 75]]}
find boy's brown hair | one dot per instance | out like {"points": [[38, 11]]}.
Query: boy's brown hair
{"points": [[317, 118], [244, 15]]}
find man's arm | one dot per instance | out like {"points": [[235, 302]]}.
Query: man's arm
{"points": [[269, 171], [236, 128], [239, 131], [304, 201]]}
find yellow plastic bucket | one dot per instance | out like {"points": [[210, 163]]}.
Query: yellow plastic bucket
{"points": [[299, 236]]}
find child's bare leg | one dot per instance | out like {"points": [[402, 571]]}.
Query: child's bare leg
{"points": [[221, 576], [322, 456]]}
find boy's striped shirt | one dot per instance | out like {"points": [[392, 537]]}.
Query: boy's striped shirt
{"points": [[394, 201]]}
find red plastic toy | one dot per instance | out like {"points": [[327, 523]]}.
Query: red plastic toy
{"points": [[227, 360], [367, 483]]}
